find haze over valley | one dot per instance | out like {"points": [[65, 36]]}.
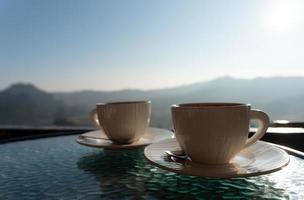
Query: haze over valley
{"points": [[25, 104]]}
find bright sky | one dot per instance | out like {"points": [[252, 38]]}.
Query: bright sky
{"points": [[76, 44]]}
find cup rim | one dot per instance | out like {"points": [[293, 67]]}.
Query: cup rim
{"points": [[123, 102], [210, 105]]}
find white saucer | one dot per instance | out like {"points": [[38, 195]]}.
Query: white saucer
{"points": [[260, 158], [99, 139]]}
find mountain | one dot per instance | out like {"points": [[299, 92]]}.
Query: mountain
{"points": [[24, 104], [280, 97]]}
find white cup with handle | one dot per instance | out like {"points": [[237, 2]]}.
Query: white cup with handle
{"points": [[123, 122], [213, 133]]}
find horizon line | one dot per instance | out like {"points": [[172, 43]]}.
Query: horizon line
{"points": [[149, 89]]}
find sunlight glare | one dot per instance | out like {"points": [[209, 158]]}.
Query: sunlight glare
{"points": [[283, 15]]}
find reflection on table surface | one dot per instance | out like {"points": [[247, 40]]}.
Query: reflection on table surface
{"points": [[59, 168]]}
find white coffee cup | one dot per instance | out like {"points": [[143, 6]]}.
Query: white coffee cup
{"points": [[123, 122], [213, 133]]}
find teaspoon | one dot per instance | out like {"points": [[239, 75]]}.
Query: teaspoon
{"points": [[177, 154]]}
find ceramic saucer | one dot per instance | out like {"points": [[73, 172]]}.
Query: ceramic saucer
{"points": [[99, 139], [259, 158]]}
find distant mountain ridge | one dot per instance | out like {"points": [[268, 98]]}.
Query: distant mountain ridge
{"points": [[281, 97], [24, 104]]}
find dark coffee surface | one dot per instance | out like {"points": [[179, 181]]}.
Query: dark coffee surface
{"points": [[59, 168]]}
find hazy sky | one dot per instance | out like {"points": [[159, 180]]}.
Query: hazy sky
{"points": [[62, 45]]}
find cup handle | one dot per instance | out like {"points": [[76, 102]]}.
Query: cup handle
{"points": [[263, 121], [94, 118]]}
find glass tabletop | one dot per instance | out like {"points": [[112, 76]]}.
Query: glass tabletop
{"points": [[60, 168]]}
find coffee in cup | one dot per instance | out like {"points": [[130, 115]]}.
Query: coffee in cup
{"points": [[122, 122], [213, 133]]}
